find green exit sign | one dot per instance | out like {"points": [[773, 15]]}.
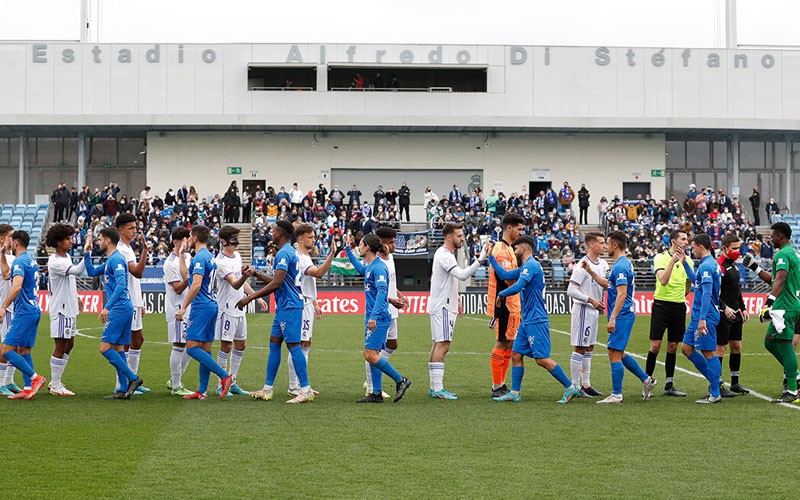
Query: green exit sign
{"points": [[62, 165], [234, 170], [106, 165], [657, 173]]}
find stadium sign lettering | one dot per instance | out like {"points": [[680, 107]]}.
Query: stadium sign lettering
{"points": [[153, 55]]}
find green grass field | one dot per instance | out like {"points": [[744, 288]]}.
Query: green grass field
{"points": [[159, 446]]}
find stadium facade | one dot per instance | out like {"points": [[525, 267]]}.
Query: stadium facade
{"points": [[513, 118]]}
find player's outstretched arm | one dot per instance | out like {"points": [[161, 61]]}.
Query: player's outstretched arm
{"points": [[91, 269], [690, 274], [357, 264], [750, 262], [600, 280], [4, 267], [137, 270], [505, 275], [516, 287], [322, 269], [269, 288]]}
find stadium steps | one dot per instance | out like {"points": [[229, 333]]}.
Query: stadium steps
{"points": [[245, 242]]}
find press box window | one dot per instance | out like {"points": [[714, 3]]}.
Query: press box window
{"points": [[281, 78], [407, 78]]}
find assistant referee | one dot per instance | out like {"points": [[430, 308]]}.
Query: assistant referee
{"points": [[669, 307]]}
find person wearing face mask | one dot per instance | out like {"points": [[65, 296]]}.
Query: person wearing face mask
{"points": [[772, 209], [734, 313]]}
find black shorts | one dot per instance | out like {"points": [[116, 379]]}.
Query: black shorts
{"points": [[728, 330], [669, 316]]}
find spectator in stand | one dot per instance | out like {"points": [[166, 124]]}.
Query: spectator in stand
{"points": [[583, 205], [566, 196], [501, 205], [183, 195], [337, 198], [110, 209], [692, 192], [321, 194], [491, 202], [404, 197], [282, 199], [772, 209], [73, 203], [169, 198], [146, 195], [247, 206], [296, 196], [354, 197], [550, 200], [391, 197], [358, 81], [455, 195], [379, 195], [366, 210], [475, 201], [232, 202], [755, 203]]}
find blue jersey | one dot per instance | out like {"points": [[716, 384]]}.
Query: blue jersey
{"points": [[376, 290], [530, 285], [289, 295], [707, 272], [25, 303], [204, 265], [115, 279], [621, 274]]}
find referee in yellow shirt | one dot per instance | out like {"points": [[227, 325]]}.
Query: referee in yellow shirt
{"points": [[669, 306]]}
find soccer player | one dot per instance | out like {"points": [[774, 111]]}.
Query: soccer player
{"points": [[621, 316], [702, 331], [444, 305], [126, 225], [669, 307], [505, 313], [231, 285], [118, 311], [308, 274], [782, 308], [7, 385], [587, 304], [21, 335], [377, 318], [176, 281], [534, 338], [731, 304], [288, 321], [64, 303], [200, 331], [397, 300]]}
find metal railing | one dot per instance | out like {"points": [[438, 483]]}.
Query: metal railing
{"points": [[446, 90]]}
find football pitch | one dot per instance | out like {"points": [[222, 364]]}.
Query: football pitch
{"points": [[159, 446]]}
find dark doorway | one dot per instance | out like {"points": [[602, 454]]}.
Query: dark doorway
{"points": [[535, 186], [252, 185], [631, 190]]}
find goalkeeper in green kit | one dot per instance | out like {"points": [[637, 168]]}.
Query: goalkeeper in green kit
{"points": [[782, 309]]}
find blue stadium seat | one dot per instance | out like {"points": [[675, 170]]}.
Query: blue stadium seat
{"points": [[8, 206], [44, 206]]}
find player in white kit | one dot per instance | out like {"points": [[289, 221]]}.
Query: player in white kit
{"points": [[307, 281], [176, 281], [444, 305], [7, 370], [64, 304], [230, 280], [587, 304]]}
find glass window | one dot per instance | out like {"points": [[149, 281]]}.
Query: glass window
{"points": [[751, 155], [49, 152], [676, 155], [698, 155], [720, 159], [102, 151], [129, 150]]}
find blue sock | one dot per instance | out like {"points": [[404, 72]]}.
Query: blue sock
{"points": [[300, 367], [377, 379], [384, 366], [617, 374], [19, 362], [25, 378], [558, 374], [517, 372], [206, 360], [119, 364], [274, 362], [205, 374], [632, 366], [700, 362], [714, 372]]}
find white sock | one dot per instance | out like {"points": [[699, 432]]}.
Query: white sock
{"points": [[436, 372], [369, 376], [3, 368], [175, 358], [10, 371], [133, 359], [56, 370], [236, 361], [575, 368], [222, 360], [386, 353], [587, 369], [294, 382], [185, 361]]}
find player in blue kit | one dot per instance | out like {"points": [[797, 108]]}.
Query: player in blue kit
{"points": [[117, 315], [21, 335], [702, 331], [377, 318], [286, 327], [621, 317], [533, 336], [203, 317]]}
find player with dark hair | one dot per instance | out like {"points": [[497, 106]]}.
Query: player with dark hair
{"points": [[176, 281], [7, 385], [734, 312]]}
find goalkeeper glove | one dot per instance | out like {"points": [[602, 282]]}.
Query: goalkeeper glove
{"points": [[764, 316], [750, 262]]}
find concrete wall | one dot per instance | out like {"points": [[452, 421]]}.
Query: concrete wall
{"points": [[603, 162]]}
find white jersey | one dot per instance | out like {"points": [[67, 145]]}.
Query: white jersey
{"points": [[392, 283], [62, 285], [444, 286], [134, 283], [172, 274], [227, 296], [307, 284], [5, 285], [584, 282]]}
